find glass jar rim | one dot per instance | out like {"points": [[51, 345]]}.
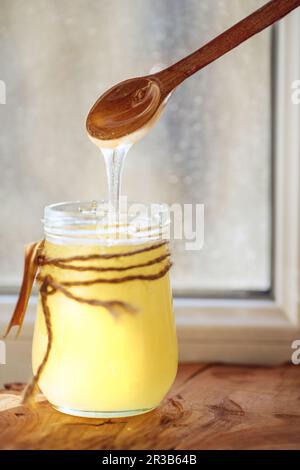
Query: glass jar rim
{"points": [[94, 221]]}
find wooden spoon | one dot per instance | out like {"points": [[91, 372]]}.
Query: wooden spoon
{"points": [[125, 112]]}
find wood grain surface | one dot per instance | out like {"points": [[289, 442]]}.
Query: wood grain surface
{"points": [[209, 407]]}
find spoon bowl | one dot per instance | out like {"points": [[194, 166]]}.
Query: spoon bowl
{"points": [[127, 109]]}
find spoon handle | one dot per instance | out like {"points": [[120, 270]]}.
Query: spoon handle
{"points": [[271, 12]]}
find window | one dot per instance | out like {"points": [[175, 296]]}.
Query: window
{"points": [[212, 145], [228, 139]]}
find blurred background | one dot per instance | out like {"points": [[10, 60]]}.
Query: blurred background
{"points": [[212, 146]]}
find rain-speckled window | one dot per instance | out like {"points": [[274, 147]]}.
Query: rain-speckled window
{"points": [[212, 146]]}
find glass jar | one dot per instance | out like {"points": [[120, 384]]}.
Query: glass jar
{"points": [[105, 341]]}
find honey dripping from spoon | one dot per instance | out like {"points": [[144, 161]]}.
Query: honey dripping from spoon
{"points": [[126, 112], [121, 117]]}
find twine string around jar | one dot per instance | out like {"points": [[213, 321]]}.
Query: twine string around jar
{"points": [[35, 259]]}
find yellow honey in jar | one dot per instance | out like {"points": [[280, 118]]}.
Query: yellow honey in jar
{"points": [[104, 362]]}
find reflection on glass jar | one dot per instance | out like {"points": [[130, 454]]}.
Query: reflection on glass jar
{"points": [[108, 308]]}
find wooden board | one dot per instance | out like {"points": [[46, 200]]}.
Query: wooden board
{"points": [[209, 407]]}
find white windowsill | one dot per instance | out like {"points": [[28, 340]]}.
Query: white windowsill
{"points": [[231, 331]]}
